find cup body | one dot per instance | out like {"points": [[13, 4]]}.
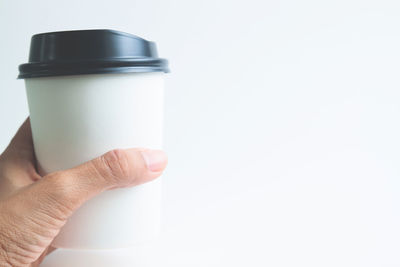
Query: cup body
{"points": [[77, 118]]}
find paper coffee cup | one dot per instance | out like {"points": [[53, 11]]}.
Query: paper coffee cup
{"points": [[90, 92]]}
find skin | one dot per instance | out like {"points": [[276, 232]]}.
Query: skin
{"points": [[33, 208]]}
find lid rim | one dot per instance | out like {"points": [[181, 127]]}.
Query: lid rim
{"points": [[112, 70]]}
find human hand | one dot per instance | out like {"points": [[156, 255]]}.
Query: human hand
{"points": [[33, 208]]}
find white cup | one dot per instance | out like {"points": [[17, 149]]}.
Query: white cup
{"points": [[89, 92], [77, 118]]}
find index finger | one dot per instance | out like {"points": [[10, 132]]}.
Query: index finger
{"points": [[20, 149]]}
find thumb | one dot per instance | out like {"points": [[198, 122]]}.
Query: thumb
{"points": [[37, 212], [65, 191]]}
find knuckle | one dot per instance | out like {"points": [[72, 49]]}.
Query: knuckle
{"points": [[116, 164]]}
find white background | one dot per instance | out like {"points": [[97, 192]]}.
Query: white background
{"points": [[282, 123]]}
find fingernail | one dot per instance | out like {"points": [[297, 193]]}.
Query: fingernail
{"points": [[156, 160]]}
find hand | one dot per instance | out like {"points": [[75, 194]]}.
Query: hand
{"points": [[34, 208]]}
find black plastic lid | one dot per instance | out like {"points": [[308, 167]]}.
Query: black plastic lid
{"points": [[90, 52]]}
